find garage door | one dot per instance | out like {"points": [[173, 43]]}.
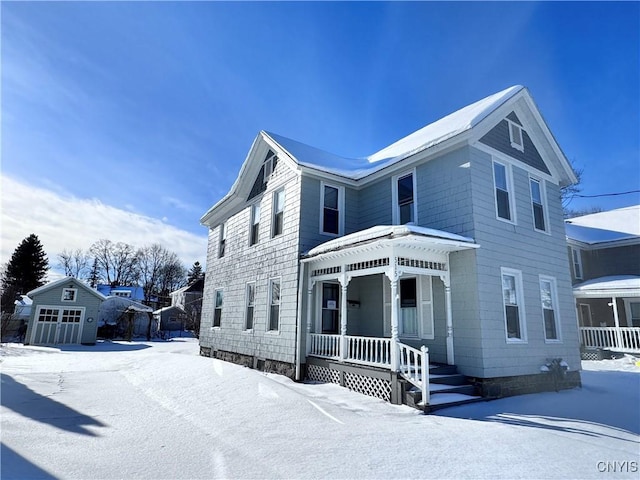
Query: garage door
{"points": [[56, 325]]}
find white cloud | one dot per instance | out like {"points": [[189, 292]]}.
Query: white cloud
{"points": [[66, 222]]}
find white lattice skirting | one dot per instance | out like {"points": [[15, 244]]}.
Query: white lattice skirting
{"points": [[374, 387], [317, 373]]}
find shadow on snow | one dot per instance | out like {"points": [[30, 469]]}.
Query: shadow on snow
{"points": [[605, 406], [15, 466], [24, 401]]}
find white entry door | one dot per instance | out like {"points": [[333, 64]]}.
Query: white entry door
{"points": [[56, 325]]}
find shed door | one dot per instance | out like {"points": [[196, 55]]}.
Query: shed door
{"points": [[58, 325]]}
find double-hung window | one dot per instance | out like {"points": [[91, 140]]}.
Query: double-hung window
{"points": [[277, 221], [223, 240], [331, 202], [549, 298], [576, 261], [404, 192], [274, 304], [513, 304], [538, 205], [502, 182], [254, 230], [250, 301], [217, 311]]}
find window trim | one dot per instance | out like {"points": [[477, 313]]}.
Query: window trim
{"points": [[255, 212], [522, 317], [248, 304], [275, 212], [581, 319], [270, 305], [217, 308], [395, 216], [341, 203], [71, 300], [576, 254], [513, 126], [510, 193], [556, 311], [543, 205]]}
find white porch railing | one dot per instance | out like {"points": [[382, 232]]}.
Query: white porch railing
{"points": [[414, 366], [368, 350], [622, 339], [323, 345], [375, 351]]}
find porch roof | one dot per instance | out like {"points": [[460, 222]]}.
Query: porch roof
{"points": [[607, 287], [408, 235]]}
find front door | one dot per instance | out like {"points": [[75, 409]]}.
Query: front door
{"points": [[56, 325], [330, 308]]}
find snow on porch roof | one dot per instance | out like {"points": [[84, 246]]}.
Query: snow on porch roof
{"points": [[392, 231], [611, 286], [427, 137]]}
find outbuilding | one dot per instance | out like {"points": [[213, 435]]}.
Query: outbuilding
{"points": [[63, 312]]}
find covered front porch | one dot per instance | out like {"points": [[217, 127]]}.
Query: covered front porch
{"points": [[380, 300], [609, 313]]}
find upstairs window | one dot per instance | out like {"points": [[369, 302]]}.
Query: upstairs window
{"points": [[331, 220], [404, 199], [278, 213], [515, 136], [69, 294], [576, 260], [269, 166], [502, 185], [217, 311], [537, 203], [254, 229], [223, 240]]}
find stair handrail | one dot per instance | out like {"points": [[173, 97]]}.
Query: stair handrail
{"points": [[414, 367]]}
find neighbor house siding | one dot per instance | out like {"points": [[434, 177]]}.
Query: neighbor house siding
{"points": [[270, 258], [520, 247], [610, 261]]}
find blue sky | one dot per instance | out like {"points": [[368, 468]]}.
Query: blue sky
{"points": [[147, 110]]}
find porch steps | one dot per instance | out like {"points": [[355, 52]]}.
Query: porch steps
{"points": [[447, 388]]}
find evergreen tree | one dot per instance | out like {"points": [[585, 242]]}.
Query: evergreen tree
{"points": [[25, 271], [195, 273], [94, 274]]}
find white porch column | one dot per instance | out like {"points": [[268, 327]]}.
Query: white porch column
{"points": [[344, 283], [309, 314], [447, 298], [616, 319], [395, 364]]}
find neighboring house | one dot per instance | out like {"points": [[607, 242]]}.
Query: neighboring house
{"points": [[170, 319], [604, 252], [132, 292], [189, 298], [62, 312], [22, 308], [338, 269]]}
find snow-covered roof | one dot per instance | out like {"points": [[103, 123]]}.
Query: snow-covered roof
{"points": [[66, 280], [604, 227], [24, 300], [123, 303], [171, 307], [611, 286], [390, 231], [427, 137]]}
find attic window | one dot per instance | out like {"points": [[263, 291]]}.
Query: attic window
{"points": [[69, 294], [515, 136], [269, 166]]}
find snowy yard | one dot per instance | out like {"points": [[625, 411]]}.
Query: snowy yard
{"points": [[158, 410]]}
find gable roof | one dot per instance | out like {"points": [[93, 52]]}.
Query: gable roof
{"points": [[67, 280], [448, 132], [605, 229]]}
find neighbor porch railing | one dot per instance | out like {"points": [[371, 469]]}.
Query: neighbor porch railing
{"points": [[622, 339], [376, 352]]}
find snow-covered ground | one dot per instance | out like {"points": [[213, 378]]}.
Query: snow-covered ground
{"points": [[158, 410]]}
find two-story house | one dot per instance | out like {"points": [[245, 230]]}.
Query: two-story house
{"points": [[452, 239], [604, 252]]}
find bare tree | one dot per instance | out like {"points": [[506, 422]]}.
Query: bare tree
{"points": [[118, 262], [75, 263], [160, 270]]}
